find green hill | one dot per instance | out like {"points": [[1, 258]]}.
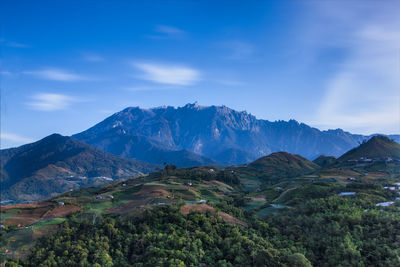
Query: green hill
{"points": [[377, 147], [283, 164]]}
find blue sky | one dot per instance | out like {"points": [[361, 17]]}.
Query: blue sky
{"points": [[66, 65]]}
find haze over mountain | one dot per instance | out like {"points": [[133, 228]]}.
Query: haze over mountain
{"points": [[57, 164], [209, 135]]}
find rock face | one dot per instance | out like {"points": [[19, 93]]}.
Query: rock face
{"points": [[197, 135], [57, 164]]}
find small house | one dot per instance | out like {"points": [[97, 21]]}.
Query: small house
{"points": [[61, 203], [203, 201]]}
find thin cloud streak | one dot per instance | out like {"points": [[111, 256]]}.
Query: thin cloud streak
{"points": [[167, 32], [167, 73], [58, 75], [15, 138], [50, 102]]}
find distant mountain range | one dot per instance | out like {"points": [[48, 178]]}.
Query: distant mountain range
{"points": [[57, 164], [214, 135]]}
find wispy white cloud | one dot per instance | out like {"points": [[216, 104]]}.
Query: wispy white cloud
{"points": [[151, 88], [91, 57], [14, 138], [51, 102], [363, 94], [57, 75], [167, 32], [168, 73], [229, 82]]}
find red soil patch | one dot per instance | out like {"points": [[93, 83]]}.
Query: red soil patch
{"points": [[230, 219], [61, 211], [221, 184], [28, 205], [203, 208], [152, 191], [34, 212], [28, 216]]}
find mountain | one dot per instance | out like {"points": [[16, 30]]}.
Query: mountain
{"points": [[213, 133], [57, 164], [116, 141], [377, 147], [283, 164]]}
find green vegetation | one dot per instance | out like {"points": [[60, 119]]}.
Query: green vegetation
{"points": [[48, 222], [271, 213]]}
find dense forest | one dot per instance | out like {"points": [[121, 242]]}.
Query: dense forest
{"points": [[331, 231]]}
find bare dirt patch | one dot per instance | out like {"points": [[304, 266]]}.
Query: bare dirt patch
{"points": [[28, 216], [61, 211], [230, 219], [28, 205], [203, 208], [152, 191], [221, 184]]}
